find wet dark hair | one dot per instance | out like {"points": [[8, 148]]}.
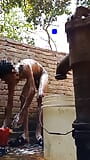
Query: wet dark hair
{"points": [[6, 67]]}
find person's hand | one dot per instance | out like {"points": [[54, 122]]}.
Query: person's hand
{"points": [[16, 123]]}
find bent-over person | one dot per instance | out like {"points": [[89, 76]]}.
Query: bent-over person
{"points": [[36, 78]]}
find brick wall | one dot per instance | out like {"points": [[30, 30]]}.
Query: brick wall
{"points": [[16, 51]]}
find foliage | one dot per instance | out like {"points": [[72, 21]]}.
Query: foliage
{"points": [[13, 25], [36, 9], [44, 12], [83, 3], [41, 12], [38, 12], [7, 5]]}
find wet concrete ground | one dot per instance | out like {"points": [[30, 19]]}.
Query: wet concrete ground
{"points": [[27, 152]]}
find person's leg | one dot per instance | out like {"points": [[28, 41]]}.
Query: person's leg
{"points": [[41, 91], [39, 121], [23, 115], [25, 126]]}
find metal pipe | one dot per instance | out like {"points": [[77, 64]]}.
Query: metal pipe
{"points": [[78, 35], [62, 68]]}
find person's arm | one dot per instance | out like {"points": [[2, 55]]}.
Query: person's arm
{"points": [[26, 97], [8, 108]]}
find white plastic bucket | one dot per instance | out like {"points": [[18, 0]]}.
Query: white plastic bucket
{"points": [[58, 116]]}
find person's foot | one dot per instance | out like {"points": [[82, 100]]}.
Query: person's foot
{"points": [[17, 123], [40, 141]]}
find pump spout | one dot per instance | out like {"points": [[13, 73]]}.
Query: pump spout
{"points": [[62, 68]]}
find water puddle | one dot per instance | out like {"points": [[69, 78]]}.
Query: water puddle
{"points": [[27, 152]]}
